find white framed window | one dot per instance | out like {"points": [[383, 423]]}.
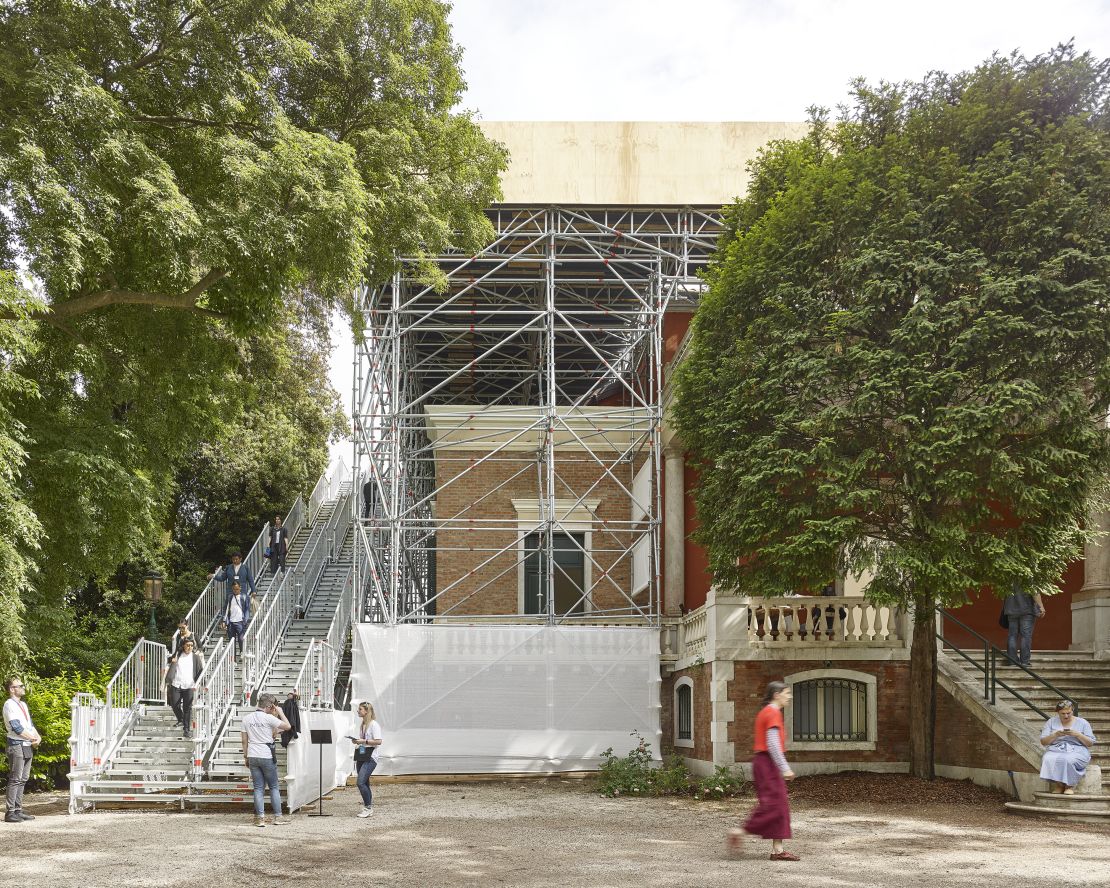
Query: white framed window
{"points": [[572, 545], [684, 713], [832, 709]]}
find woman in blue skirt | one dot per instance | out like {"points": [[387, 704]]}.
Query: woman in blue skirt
{"points": [[1067, 742]]}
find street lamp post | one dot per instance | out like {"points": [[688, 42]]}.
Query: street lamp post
{"points": [[152, 592]]}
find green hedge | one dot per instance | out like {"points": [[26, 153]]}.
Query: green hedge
{"points": [[48, 700]]}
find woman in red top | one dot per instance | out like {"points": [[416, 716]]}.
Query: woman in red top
{"points": [[770, 771]]}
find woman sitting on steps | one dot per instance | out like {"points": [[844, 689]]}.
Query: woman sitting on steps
{"points": [[1067, 740]]}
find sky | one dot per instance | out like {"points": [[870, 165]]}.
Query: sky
{"points": [[711, 60]]}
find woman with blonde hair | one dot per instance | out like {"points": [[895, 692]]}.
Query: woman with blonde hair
{"points": [[367, 740]]}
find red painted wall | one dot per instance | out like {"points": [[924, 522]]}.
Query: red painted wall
{"points": [[1051, 633], [698, 578]]}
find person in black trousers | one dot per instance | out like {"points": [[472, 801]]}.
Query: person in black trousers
{"points": [[279, 545]]}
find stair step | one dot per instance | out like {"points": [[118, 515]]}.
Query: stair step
{"points": [[1081, 815]]}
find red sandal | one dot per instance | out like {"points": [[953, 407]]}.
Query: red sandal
{"points": [[785, 855]]}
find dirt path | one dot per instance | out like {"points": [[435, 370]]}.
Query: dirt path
{"points": [[528, 833]]}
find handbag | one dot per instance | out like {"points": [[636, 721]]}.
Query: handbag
{"points": [[1004, 618], [266, 554], [363, 754]]}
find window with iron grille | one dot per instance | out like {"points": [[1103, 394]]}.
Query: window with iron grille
{"points": [[830, 710], [684, 704]]}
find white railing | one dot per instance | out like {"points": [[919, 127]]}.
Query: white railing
{"points": [[205, 613], [326, 489], [86, 735], [694, 633], [311, 565], [823, 620], [337, 632], [341, 523], [264, 632], [315, 685], [216, 693], [137, 681]]}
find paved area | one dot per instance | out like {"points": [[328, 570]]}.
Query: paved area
{"points": [[555, 832]]}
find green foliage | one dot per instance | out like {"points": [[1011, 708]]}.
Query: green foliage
{"points": [[635, 774], [189, 190], [722, 783], [903, 361], [48, 700]]}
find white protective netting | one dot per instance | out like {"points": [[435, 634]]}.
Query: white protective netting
{"points": [[506, 699]]}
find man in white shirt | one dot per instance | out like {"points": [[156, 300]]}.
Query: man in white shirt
{"points": [[237, 613], [22, 739], [259, 730], [182, 675]]}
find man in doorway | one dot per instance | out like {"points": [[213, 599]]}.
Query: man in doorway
{"points": [[259, 730], [1021, 610], [23, 740], [182, 677]]}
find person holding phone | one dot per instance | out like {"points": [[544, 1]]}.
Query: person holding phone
{"points": [[259, 730], [1067, 740], [367, 739]]}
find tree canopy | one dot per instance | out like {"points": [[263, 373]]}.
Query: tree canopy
{"points": [[187, 190], [902, 365]]}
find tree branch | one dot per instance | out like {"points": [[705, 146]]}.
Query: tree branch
{"points": [[81, 305]]}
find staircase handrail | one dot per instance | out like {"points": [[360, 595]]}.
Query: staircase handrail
{"points": [[311, 563], [341, 523], [215, 696], [338, 479], [337, 631], [204, 615], [989, 667], [327, 488], [138, 680], [305, 684], [264, 632]]}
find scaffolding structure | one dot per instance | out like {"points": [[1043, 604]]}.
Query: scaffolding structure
{"points": [[508, 428]]}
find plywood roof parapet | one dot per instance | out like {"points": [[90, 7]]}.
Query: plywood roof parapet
{"points": [[631, 163]]}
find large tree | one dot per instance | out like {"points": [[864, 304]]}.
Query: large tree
{"points": [[902, 364], [177, 179]]}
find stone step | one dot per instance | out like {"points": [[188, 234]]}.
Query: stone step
{"points": [[1078, 814]]}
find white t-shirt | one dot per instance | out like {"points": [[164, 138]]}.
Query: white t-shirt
{"points": [[16, 710], [185, 676], [259, 727], [372, 732], [235, 610]]}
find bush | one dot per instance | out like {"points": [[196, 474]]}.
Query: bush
{"points": [[723, 782], [48, 700], [634, 774]]}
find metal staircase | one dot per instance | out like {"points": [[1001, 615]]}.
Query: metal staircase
{"points": [[126, 750]]}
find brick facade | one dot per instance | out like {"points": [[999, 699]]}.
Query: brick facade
{"points": [[702, 714], [891, 688], [493, 588]]}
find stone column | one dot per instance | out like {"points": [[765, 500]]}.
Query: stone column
{"points": [[1090, 607], [674, 529]]}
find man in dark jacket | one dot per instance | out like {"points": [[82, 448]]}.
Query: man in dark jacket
{"points": [[237, 614], [236, 572], [279, 545], [1021, 610]]}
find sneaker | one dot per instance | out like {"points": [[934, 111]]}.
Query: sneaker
{"points": [[13, 818], [279, 821], [23, 815], [260, 822], [365, 812]]}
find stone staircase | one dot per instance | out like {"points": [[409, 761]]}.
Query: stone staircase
{"points": [[281, 678], [154, 764], [1078, 677]]}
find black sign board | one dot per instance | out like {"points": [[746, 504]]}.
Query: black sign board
{"points": [[318, 737]]}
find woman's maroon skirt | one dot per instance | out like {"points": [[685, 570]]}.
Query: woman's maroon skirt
{"points": [[771, 817]]}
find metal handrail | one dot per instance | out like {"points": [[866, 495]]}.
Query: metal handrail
{"points": [[264, 631], [989, 668], [215, 696], [138, 680]]}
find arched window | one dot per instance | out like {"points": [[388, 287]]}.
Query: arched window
{"points": [[684, 712], [830, 710]]}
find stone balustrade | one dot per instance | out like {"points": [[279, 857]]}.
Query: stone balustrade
{"points": [[805, 620]]}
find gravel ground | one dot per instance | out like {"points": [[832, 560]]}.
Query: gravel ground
{"points": [[850, 832]]}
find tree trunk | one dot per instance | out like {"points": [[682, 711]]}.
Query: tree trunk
{"points": [[923, 689]]}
